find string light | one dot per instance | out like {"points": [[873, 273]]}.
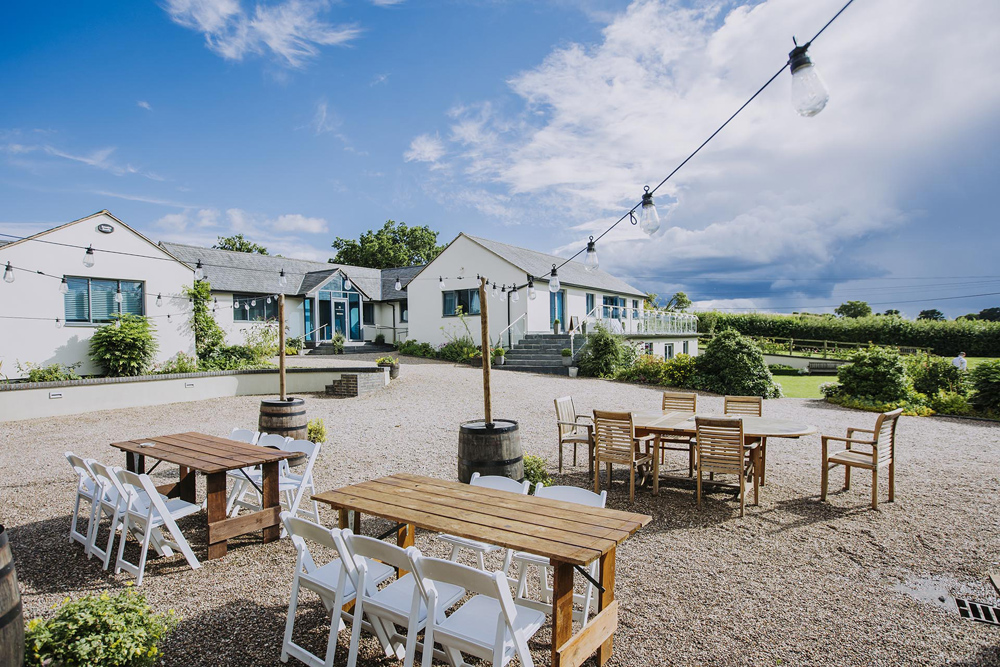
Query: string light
{"points": [[168, 317], [494, 292], [397, 285], [554, 280], [58, 323], [441, 283], [514, 295], [809, 94], [159, 300], [282, 279], [253, 303], [531, 288], [63, 286], [236, 304], [199, 272], [649, 219], [118, 295], [88, 257], [347, 283], [8, 274], [590, 262], [503, 293], [268, 300]]}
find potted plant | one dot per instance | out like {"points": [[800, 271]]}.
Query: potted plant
{"points": [[476, 358], [499, 357], [555, 326], [573, 370], [567, 355], [380, 339], [391, 363]]}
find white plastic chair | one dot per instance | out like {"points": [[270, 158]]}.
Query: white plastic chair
{"points": [[244, 435], [329, 581], [525, 561], [144, 514], [241, 487], [490, 626], [110, 500], [291, 487], [481, 548], [396, 604], [86, 486]]}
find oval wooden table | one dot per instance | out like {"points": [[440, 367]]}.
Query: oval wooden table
{"points": [[682, 424]]}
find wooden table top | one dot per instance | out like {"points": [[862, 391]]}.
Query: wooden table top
{"points": [[753, 427], [204, 453], [559, 530]]}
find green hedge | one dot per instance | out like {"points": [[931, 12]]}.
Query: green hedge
{"points": [[975, 337]]}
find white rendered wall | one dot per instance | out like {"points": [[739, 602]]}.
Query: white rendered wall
{"points": [[35, 296], [236, 330]]}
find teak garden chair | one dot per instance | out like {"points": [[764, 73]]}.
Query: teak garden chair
{"points": [[751, 406], [573, 431], [881, 439], [615, 442], [721, 449], [679, 402]]}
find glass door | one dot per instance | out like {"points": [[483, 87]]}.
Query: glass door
{"points": [[340, 317], [325, 320], [557, 309]]}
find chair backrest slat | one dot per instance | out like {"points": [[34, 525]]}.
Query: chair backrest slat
{"points": [[744, 405], [720, 445], [885, 434], [81, 467], [678, 401], [614, 434]]}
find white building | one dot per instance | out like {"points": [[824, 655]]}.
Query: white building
{"points": [[42, 324], [584, 298]]}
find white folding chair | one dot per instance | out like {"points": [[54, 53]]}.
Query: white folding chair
{"points": [[525, 561], [490, 626], [329, 581], [144, 514], [399, 603], [244, 435], [481, 548], [86, 488], [291, 487], [241, 484]]}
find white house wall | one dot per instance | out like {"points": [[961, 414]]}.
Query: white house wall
{"points": [[236, 330], [35, 296]]}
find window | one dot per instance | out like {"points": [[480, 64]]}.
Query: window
{"points": [[368, 312], [254, 308], [404, 311], [466, 299], [90, 300], [590, 304], [635, 308], [684, 347], [668, 350], [647, 348], [613, 306]]}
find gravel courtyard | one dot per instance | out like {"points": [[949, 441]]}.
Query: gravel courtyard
{"points": [[795, 582]]}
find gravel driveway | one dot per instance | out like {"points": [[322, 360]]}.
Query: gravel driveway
{"points": [[795, 582]]}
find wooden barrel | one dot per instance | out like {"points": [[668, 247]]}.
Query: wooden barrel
{"points": [[284, 417], [490, 449], [11, 618]]}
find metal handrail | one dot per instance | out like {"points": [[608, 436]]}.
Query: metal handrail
{"points": [[319, 328], [510, 340]]}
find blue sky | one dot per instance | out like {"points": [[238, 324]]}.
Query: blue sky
{"points": [[537, 123]]}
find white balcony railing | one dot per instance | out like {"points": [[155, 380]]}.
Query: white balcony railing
{"points": [[630, 321]]}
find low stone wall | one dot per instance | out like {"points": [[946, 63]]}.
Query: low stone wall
{"points": [[31, 400], [351, 385]]}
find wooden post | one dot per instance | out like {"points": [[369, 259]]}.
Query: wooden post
{"points": [[281, 346], [484, 317]]}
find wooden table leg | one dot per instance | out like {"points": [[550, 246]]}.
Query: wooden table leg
{"points": [[656, 466], [185, 488], [562, 608], [405, 538], [607, 579], [270, 497], [344, 521], [216, 483], [135, 463]]}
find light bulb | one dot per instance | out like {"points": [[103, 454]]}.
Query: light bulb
{"points": [[118, 295], [347, 283], [590, 262], [398, 285], [514, 295], [649, 219], [503, 293], [254, 303], [554, 280], [532, 294], [215, 301], [64, 286], [246, 306], [199, 272], [441, 283], [809, 94], [494, 292], [58, 323], [282, 279], [159, 300], [168, 317], [236, 304], [269, 299], [88, 257]]}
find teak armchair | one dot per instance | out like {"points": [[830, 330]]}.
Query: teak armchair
{"points": [[882, 440], [678, 402], [721, 449], [574, 430], [751, 406], [615, 442]]}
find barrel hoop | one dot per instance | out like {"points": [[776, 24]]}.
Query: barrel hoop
{"points": [[271, 429], [3, 538], [489, 463], [11, 614], [6, 569], [282, 414]]}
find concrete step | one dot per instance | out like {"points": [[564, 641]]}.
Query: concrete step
{"points": [[367, 348], [533, 362], [547, 370]]}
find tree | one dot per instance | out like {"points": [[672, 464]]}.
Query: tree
{"points": [[853, 309], [892, 312], [652, 301], [931, 314], [208, 335], [678, 301], [990, 314], [237, 243], [393, 246]]}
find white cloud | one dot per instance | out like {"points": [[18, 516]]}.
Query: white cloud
{"points": [[386, 3], [323, 121], [299, 223], [291, 31], [774, 194], [236, 220], [100, 158], [143, 104], [425, 148], [378, 79]]}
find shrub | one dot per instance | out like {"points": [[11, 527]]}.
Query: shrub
{"points": [[294, 344], [459, 349], [380, 339], [208, 335], [416, 349], [125, 347], [912, 408], [566, 352], [499, 352], [386, 360], [605, 354], [830, 389], [931, 374], [949, 403], [316, 430], [262, 340], [337, 343], [986, 385], [234, 358], [291, 352], [876, 373], [680, 372], [647, 369], [108, 630], [783, 369], [734, 364], [535, 471], [50, 373], [179, 363]]}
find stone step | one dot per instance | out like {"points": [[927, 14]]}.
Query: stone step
{"points": [[533, 362], [547, 370]]}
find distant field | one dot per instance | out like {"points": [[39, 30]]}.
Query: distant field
{"points": [[807, 386]]}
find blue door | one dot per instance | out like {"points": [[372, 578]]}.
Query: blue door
{"points": [[557, 309]]}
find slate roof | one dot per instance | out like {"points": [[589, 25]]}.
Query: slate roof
{"points": [[405, 275], [539, 265]]}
